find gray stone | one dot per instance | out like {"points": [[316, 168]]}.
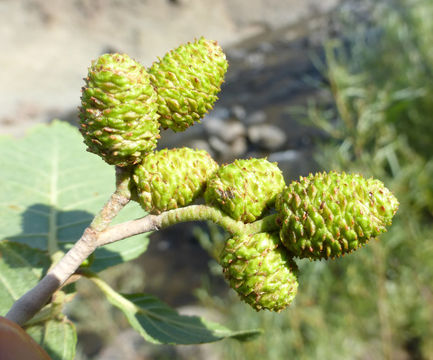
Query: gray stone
{"points": [[226, 130], [171, 139], [228, 151], [218, 145], [294, 163], [268, 137], [239, 112], [218, 112], [257, 117], [238, 147], [213, 125], [288, 155]]}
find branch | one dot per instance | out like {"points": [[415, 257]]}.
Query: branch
{"points": [[117, 201], [99, 234], [32, 301], [188, 213]]}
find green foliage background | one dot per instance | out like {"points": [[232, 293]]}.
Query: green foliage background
{"points": [[378, 302]]}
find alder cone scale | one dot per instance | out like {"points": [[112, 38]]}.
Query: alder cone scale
{"points": [[261, 271], [187, 80], [245, 189], [329, 215], [118, 114], [169, 179]]}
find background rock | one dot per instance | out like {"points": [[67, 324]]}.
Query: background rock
{"points": [[47, 45], [268, 137]]}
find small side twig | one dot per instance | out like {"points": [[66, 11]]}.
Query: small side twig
{"points": [[188, 213]]}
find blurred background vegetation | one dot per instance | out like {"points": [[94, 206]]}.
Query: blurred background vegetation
{"points": [[376, 303]]}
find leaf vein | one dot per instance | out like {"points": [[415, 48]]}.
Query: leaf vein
{"points": [[8, 287]]}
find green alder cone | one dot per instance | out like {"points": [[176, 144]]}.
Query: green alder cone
{"points": [[187, 81], [329, 215], [259, 268], [118, 114], [245, 189], [169, 179]]}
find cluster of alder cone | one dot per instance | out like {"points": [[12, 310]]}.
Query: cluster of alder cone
{"points": [[321, 216]]}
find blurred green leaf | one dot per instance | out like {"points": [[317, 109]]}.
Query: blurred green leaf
{"points": [[57, 337], [21, 268], [160, 324]]}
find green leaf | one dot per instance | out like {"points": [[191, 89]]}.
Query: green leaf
{"points": [[51, 189], [21, 268], [57, 337], [160, 324]]}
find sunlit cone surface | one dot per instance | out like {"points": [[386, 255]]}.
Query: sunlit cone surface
{"points": [[169, 179], [245, 189], [187, 81], [328, 215], [259, 268], [118, 115]]}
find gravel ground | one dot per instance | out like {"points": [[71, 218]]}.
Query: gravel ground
{"points": [[47, 45]]}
